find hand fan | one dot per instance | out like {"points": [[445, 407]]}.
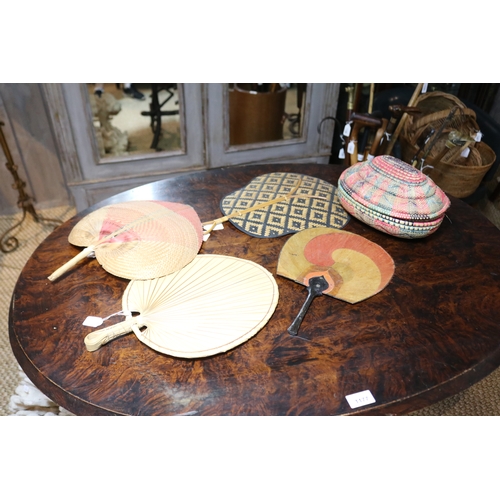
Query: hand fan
{"points": [[338, 263], [281, 203], [138, 239], [209, 306]]}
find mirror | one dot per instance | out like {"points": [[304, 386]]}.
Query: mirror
{"points": [[265, 112], [136, 119]]}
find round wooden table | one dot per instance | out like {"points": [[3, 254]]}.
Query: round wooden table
{"points": [[432, 332]]}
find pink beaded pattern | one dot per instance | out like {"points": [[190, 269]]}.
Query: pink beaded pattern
{"points": [[385, 223], [394, 188]]}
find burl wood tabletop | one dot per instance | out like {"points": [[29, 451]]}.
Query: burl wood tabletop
{"points": [[433, 331]]}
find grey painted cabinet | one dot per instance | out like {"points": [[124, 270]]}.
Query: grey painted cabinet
{"points": [[205, 126]]}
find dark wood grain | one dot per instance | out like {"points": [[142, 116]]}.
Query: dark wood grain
{"points": [[432, 332]]}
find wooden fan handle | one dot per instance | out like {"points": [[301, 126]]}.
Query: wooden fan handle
{"points": [[71, 263], [100, 337], [239, 213]]}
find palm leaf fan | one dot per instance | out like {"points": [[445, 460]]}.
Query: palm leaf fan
{"points": [[209, 306], [338, 263], [137, 239], [281, 203]]}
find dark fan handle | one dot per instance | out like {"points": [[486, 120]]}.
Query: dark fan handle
{"points": [[317, 286]]}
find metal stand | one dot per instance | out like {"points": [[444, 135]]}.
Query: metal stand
{"points": [[10, 243], [155, 109]]}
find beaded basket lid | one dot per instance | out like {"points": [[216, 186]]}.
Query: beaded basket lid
{"points": [[387, 224], [392, 187]]}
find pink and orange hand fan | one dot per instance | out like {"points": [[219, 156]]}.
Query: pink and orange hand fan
{"points": [[137, 239]]}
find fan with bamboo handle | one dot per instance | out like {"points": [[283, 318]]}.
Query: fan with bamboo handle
{"points": [[282, 203], [338, 263], [137, 239], [211, 305]]}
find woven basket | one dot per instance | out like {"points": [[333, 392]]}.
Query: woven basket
{"points": [[435, 107], [461, 181], [393, 197], [457, 175]]}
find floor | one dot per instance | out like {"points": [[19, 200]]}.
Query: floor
{"points": [[29, 234]]}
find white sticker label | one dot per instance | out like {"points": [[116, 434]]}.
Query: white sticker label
{"points": [[217, 227], [347, 129], [341, 153], [360, 399], [93, 321], [465, 153], [478, 136], [350, 148]]}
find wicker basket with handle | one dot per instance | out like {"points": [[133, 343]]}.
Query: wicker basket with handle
{"points": [[457, 173], [462, 180]]}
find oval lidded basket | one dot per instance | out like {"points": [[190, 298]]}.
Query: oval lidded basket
{"points": [[392, 196]]}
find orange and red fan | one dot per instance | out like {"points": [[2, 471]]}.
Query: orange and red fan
{"points": [[338, 263]]}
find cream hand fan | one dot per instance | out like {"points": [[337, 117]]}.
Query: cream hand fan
{"points": [[138, 239], [211, 305]]}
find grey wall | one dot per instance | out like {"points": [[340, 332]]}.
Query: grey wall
{"points": [[31, 142]]}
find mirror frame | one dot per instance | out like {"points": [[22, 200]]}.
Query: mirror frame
{"points": [[92, 166]]}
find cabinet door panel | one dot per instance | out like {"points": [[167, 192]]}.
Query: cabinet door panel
{"points": [[239, 129], [95, 165]]}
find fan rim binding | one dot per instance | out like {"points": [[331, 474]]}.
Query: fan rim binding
{"points": [[218, 349], [183, 219]]}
